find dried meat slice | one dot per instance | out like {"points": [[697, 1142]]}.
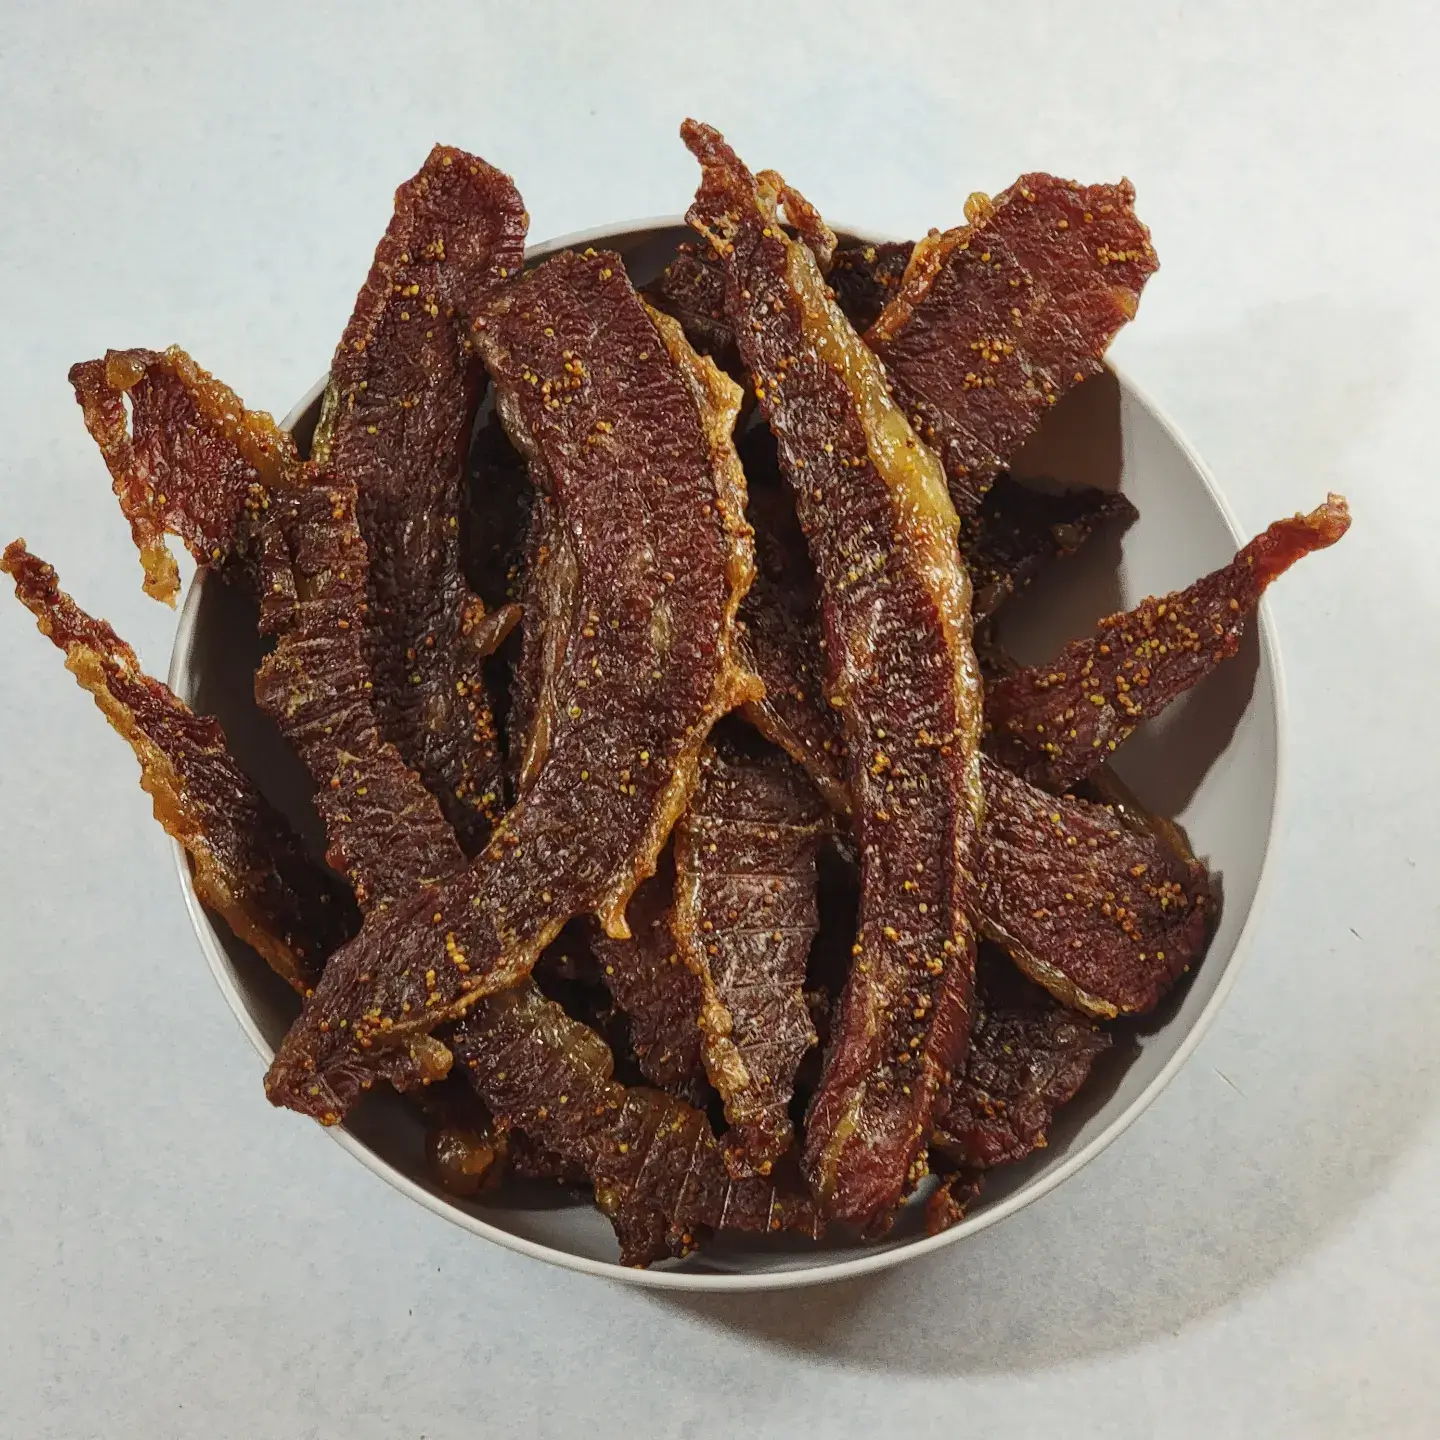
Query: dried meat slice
{"points": [[746, 912], [1018, 531], [1103, 917], [657, 992], [396, 425], [1055, 723], [632, 433], [189, 460], [654, 1161], [386, 831], [895, 602], [866, 277], [1028, 1056], [997, 319], [249, 865]]}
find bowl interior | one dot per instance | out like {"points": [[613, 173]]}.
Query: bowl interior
{"points": [[1211, 761]]}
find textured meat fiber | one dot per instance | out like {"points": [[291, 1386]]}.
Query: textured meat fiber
{"points": [[745, 915], [249, 866], [895, 603], [997, 319], [1055, 723], [399, 410], [632, 434]]}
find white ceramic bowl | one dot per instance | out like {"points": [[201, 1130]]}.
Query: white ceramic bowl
{"points": [[1212, 761]]}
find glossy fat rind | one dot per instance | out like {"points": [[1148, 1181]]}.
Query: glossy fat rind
{"points": [[633, 446], [188, 460], [995, 320], [249, 866], [1055, 723], [396, 425], [895, 598], [746, 913]]}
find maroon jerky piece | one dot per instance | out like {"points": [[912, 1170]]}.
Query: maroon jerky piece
{"points": [[1028, 1056], [1019, 531], [745, 915], [657, 992], [396, 424], [654, 1162], [631, 432], [1054, 723], [997, 319], [191, 461], [1103, 917], [866, 277], [895, 602], [249, 866]]}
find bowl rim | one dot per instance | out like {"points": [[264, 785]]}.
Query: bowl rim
{"points": [[821, 1273]]}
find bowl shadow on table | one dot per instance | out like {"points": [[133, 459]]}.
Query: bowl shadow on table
{"points": [[1254, 1181]]}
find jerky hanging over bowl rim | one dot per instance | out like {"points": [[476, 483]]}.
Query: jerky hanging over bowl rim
{"points": [[895, 600], [632, 431]]}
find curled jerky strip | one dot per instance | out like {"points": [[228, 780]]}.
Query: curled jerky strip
{"points": [[632, 434], [396, 425], [189, 460], [745, 915], [895, 602], [997, 319], [1055, 723], [654, 1161], [249, 866]]}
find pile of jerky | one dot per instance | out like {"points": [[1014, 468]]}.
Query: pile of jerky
{"points": [[690, 837]]}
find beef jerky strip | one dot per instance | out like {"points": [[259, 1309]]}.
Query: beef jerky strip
{"points": [[191, 461], [1054, 723], [396, 424], [1103, 917], [997, 319], [654, 1161], [657, 991], [1028, 1056], [866, 277], [895, 602], [249, 866], [745, 915], [691, 288], [632, 432], [1019, 531]]}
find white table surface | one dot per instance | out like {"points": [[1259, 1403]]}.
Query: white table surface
{"points": [[1258, 1256]]}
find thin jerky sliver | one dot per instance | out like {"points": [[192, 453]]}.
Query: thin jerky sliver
{"points": [[632, 434], [249, 866], [745, 915], [654, 1162], [895, 602], [1057, 722], [399, 410], [997, 319], [190, 460]]}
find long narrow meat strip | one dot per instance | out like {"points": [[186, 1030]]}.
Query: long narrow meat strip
{"points": [[745, 914], [1057, 722], [401, 403], [189, 461], [249, 864], [896, 605], [1102, 912], [632, 431], [654, 1161], [997, 319]]}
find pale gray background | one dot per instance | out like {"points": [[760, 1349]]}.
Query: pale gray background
{"points": [[1259, 1254]]}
